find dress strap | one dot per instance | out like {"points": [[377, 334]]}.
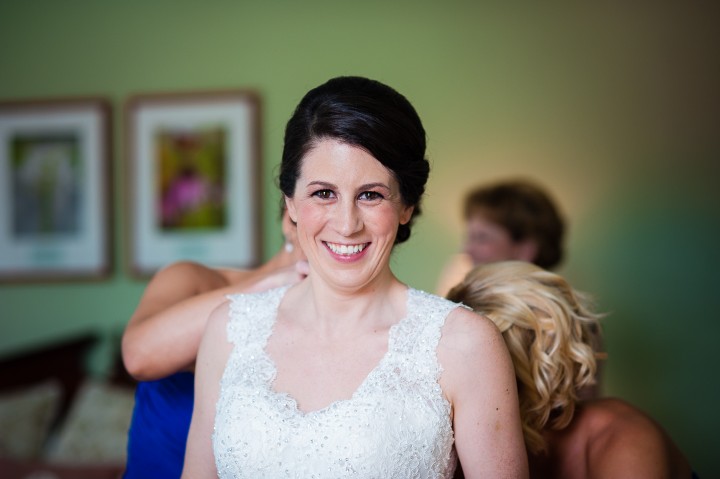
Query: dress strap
{"points": [[252, 316]]}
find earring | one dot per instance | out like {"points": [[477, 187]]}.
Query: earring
{"points": [[289, 247]]}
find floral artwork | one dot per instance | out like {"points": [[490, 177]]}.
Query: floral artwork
{"points": [[191, 176], [193, 189]]}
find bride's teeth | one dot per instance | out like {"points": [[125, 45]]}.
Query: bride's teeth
{"points": [[345, 249]]}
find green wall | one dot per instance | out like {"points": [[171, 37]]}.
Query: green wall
{"points": [[614, 108]]}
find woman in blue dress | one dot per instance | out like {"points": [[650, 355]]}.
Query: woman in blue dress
{"points": [[160, 345]]}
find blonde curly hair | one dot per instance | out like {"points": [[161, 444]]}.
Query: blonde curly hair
{"points": [[549, 329]]}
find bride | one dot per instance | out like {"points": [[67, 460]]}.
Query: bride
{"points": [[351, 373]]}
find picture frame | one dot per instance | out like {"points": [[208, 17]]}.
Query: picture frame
{"points": [[55, 190], [193, 179]]}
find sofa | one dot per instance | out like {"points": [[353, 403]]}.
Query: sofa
{"points": [[57, 421]]}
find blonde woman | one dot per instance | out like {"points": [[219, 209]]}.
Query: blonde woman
{"points": [[550, 329]]}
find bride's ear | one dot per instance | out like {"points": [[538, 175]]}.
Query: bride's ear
{"points": [[406, 214], [290, 209]]}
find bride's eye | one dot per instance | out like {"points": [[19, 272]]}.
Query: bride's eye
{"points": [[370, 196], [323, 194]]}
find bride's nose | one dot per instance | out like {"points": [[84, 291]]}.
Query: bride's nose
{"points": [[347, 218]]}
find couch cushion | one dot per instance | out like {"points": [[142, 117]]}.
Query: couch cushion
{"points": [[26, 415], [95, 430]]}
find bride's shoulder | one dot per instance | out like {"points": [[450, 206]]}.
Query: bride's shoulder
{"points": [[462, 328], [473, 356], [465, 328]]}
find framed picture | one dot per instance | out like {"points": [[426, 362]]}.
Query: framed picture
{"points": [[193, 179], [55, 221]]}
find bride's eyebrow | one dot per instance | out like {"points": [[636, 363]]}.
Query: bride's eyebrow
{"points": [[331, 186], [369, 186], [322, 184]]}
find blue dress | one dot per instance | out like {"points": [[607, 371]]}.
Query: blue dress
{"points": [[159, 427]]}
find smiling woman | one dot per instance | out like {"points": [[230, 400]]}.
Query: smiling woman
{"points": [[351, 373], [348, 209]]}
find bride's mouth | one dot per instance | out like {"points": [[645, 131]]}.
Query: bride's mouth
{"points": [[346, 249]]}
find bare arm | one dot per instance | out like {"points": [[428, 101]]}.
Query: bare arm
{"points": [[479, 380], [164, 332], [212, 356]]}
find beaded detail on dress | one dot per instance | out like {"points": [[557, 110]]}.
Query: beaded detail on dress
{"points": [[396, 424]]}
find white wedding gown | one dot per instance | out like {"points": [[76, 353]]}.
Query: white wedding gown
{"points": [[396, 425]]}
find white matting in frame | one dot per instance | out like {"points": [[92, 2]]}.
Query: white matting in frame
{"points": [[193, 179], [54, 190]]}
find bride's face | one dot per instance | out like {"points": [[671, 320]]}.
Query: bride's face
{"points": [[347, 207]]}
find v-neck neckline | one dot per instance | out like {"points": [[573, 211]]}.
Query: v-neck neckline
{"points": [[292, 401]]}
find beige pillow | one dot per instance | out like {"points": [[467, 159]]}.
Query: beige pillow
{"points": [[25, 418], [95, 430]]}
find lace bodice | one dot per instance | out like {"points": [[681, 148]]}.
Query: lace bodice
{"points": [[396, 424]]}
